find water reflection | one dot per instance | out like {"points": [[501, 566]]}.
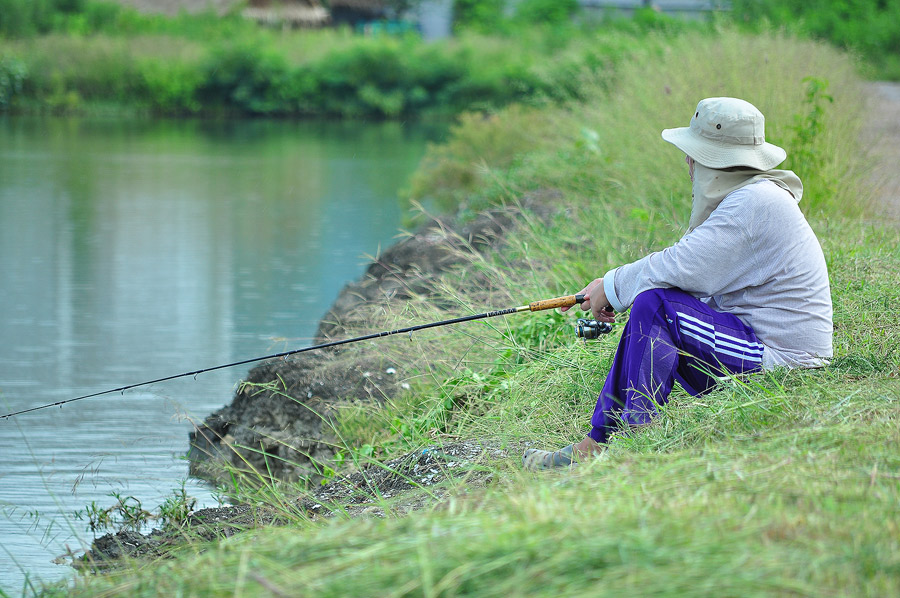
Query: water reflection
{"points": [[134, 250]]}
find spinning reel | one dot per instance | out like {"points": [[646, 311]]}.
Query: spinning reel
{"points": [[591, 329]]}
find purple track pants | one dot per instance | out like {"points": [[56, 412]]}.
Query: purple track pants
{"points": [[670, 336]]}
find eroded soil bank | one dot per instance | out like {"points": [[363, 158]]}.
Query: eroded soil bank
{"points": [[280, 420]]}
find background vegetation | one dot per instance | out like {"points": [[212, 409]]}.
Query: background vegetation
{"points": [[76, 55], [869, 27], [67, 56], [785, 483]]}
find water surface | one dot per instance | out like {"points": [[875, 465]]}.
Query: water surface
{"points": [[131, 251]]}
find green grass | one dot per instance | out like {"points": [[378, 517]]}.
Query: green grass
{"points": [[786, 488], [786, 483]]}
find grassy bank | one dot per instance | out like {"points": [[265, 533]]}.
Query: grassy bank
{"points": [[785, 483]]}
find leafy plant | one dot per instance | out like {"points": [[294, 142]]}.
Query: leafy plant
{"points": [[172, 87], [245, 77], [176, 508], [98, 518], [807, 127], [126, 513], [355, 455]]}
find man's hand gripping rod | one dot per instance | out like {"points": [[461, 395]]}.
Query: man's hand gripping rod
{"points": [[584, 328]]}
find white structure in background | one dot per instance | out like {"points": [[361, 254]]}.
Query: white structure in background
{"points": [[686, 8], [435, 19]]}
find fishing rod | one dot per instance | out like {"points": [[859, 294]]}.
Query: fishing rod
{"points": [[584, 328]]}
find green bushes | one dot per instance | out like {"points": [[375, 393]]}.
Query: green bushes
{"points": [[264, 73], [27, 17], [245, 78], [491, 16], [549, 12], [360, 77], [172, 86], [94, 53], [480, 15], [383, 77]]}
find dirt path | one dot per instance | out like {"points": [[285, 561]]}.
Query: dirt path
{"points": [[883, 132]]}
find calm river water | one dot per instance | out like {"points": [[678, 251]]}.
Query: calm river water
{"points": [[135, 250]]}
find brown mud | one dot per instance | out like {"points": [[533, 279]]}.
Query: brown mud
{"points": [[395, 487]]}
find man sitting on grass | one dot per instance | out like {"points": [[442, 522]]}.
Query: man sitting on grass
{"points": [[745, 289]]}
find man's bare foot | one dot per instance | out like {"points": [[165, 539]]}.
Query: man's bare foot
{"points": [[587, 449]]}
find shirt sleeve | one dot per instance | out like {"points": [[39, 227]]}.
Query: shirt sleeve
{"points": [[715, 258], [609, 287]]}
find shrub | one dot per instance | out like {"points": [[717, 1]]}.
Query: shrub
{"points": [[172, 87], [245, 78], [546, 12], [485, 16], [12, 77], [367, 78], [26, 17]]}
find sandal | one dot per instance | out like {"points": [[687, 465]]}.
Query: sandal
{"points": [[537, 460]]}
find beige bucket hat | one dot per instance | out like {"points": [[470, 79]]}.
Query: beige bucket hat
{"points": [[726, 132]]}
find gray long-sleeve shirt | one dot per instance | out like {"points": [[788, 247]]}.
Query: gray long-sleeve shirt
{"points": [[755, 257]]}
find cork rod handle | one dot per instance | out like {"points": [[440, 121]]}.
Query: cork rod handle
{"points": [[567, 301]]}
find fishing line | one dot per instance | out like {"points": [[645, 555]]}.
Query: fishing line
{"points": [[566, 301]]}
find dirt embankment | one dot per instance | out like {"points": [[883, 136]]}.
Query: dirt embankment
{"points": [[280, 420]]}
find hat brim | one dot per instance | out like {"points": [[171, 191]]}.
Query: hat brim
{"points": [[716, 154]]}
